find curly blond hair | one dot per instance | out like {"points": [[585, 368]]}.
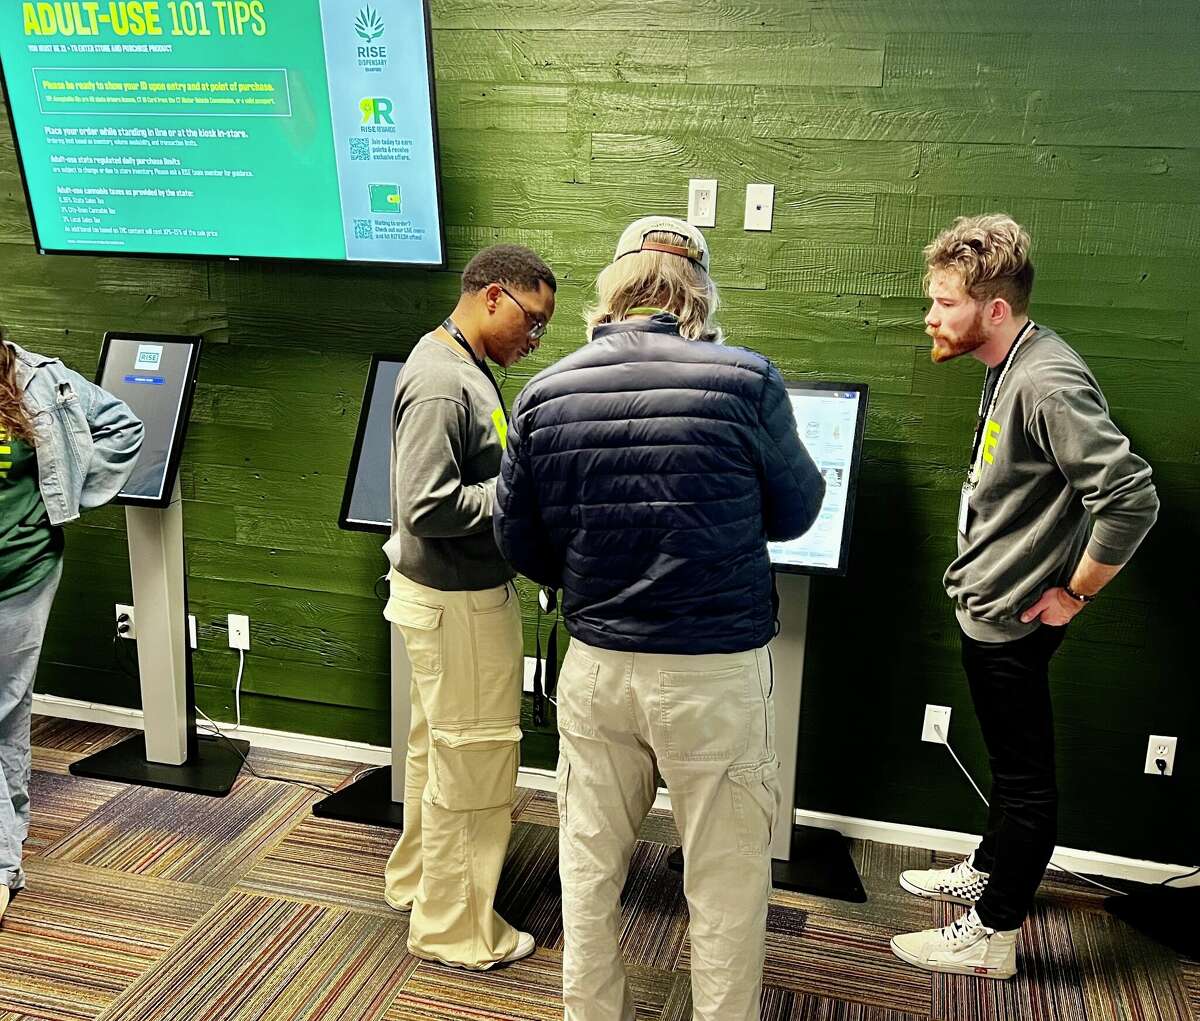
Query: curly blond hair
{"points": [[991, 255], [662, 280]]}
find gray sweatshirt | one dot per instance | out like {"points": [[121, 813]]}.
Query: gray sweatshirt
{"points": [[447, 440], [1056, 477]]}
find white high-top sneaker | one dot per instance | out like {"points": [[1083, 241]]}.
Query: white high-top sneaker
{"points": [[966, 947], [959, 884]]}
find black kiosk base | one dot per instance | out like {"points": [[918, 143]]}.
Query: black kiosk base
{"points": [[212, 769], [367, 801]]}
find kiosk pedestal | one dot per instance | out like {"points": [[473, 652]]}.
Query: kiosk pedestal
{"points": [[378, 798], [169, 753]]}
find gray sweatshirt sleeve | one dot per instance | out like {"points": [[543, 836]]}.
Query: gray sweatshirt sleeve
{"points": [[433, 502], [1074, 428]]}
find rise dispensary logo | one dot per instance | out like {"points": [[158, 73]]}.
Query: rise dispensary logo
{"points": [[369, 27]]}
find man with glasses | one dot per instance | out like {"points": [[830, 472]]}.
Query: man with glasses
{"points": [[453, 599]]}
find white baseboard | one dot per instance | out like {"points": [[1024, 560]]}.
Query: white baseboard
{"points": [[1093, 863]]}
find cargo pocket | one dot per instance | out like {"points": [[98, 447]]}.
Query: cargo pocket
{"points": [[473, 769], [756, 794], [421, 626]]}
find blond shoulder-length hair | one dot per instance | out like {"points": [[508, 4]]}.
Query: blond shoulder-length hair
{"points": [[659, 280]]}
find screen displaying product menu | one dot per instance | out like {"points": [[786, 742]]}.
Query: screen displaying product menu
{"points": [[830, 418], [291, 129]]}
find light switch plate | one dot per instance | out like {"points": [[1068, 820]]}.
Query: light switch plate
{"points": [[760, 206]]}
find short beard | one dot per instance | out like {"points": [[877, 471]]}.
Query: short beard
{"points": [[972, 340]]}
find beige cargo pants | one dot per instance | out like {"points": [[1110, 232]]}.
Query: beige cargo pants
{"points": [[461, 772], [708, 723]]}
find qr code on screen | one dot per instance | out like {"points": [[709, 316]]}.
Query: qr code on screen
{"points": [[360, 148], [362, 230]]}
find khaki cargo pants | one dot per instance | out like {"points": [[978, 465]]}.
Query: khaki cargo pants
{"points": [[708, 723], [460, 779]]}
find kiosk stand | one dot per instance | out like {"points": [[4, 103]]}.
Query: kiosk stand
{"points": [[156, 377], [831, 419], [378, 798]]}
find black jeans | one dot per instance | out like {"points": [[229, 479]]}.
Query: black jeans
{"points": [[1010, 687]]}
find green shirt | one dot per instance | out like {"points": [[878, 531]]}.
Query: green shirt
{"points": [[30, 547]]}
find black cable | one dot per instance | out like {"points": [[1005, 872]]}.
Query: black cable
{"points": [[381, 596], [218, 732]]}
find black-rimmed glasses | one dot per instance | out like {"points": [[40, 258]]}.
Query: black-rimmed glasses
{"points": [[537, 328]]}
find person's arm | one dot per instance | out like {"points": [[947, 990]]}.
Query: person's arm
{"points": [[1074, 428], [520, 532], [117, 435], [793, 488], [433, 501]]}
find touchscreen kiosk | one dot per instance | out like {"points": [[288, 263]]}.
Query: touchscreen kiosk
{"points": [[378, 798], [830, 418], [367, 505], [156, 376]]}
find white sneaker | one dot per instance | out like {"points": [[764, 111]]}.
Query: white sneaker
{"points": [[966, 947], [5, 897], [959, 884], [525, 946]]}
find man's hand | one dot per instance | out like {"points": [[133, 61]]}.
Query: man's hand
{"points": [[1055, 608]]}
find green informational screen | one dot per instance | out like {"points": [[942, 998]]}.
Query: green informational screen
{"points": [[295, 129]]}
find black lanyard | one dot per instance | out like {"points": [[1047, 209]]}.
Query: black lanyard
{"points": [[984, 404], [451, 327]]}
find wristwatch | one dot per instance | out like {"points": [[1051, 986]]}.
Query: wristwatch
{"points": [[1077, 596]]}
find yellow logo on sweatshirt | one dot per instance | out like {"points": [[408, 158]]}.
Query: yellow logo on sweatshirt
{"points": [[501, 424], [5, 452], [991, 438]]}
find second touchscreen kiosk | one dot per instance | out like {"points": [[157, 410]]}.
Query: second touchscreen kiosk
{"points": [[156, 376], [830, 418], [378, 798]]}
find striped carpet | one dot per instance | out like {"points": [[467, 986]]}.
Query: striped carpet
{"points": [[148, 905]]}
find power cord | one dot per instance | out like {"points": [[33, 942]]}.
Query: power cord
{"points": [[237, 689], [216, 731], [1062, 868], [123, 628]]}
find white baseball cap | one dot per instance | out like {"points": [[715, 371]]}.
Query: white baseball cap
{"points": [[633, 239]]}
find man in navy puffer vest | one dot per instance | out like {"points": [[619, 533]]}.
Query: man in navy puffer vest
{"points": [[643, 476]]}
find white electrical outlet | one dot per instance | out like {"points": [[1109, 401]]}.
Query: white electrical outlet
{"points": [[239, 631], [702, 203], [936, 716], [192, 631], [127, 611], [760, 204], [1160, 748]]}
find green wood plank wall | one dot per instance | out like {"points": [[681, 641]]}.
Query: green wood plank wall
{"points": [[878, 121]]}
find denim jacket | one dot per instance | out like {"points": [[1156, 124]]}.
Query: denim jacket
{"points": [[87, 439]]}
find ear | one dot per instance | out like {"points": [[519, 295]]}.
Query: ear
{"points": [[999, 311], [491, 297]]}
